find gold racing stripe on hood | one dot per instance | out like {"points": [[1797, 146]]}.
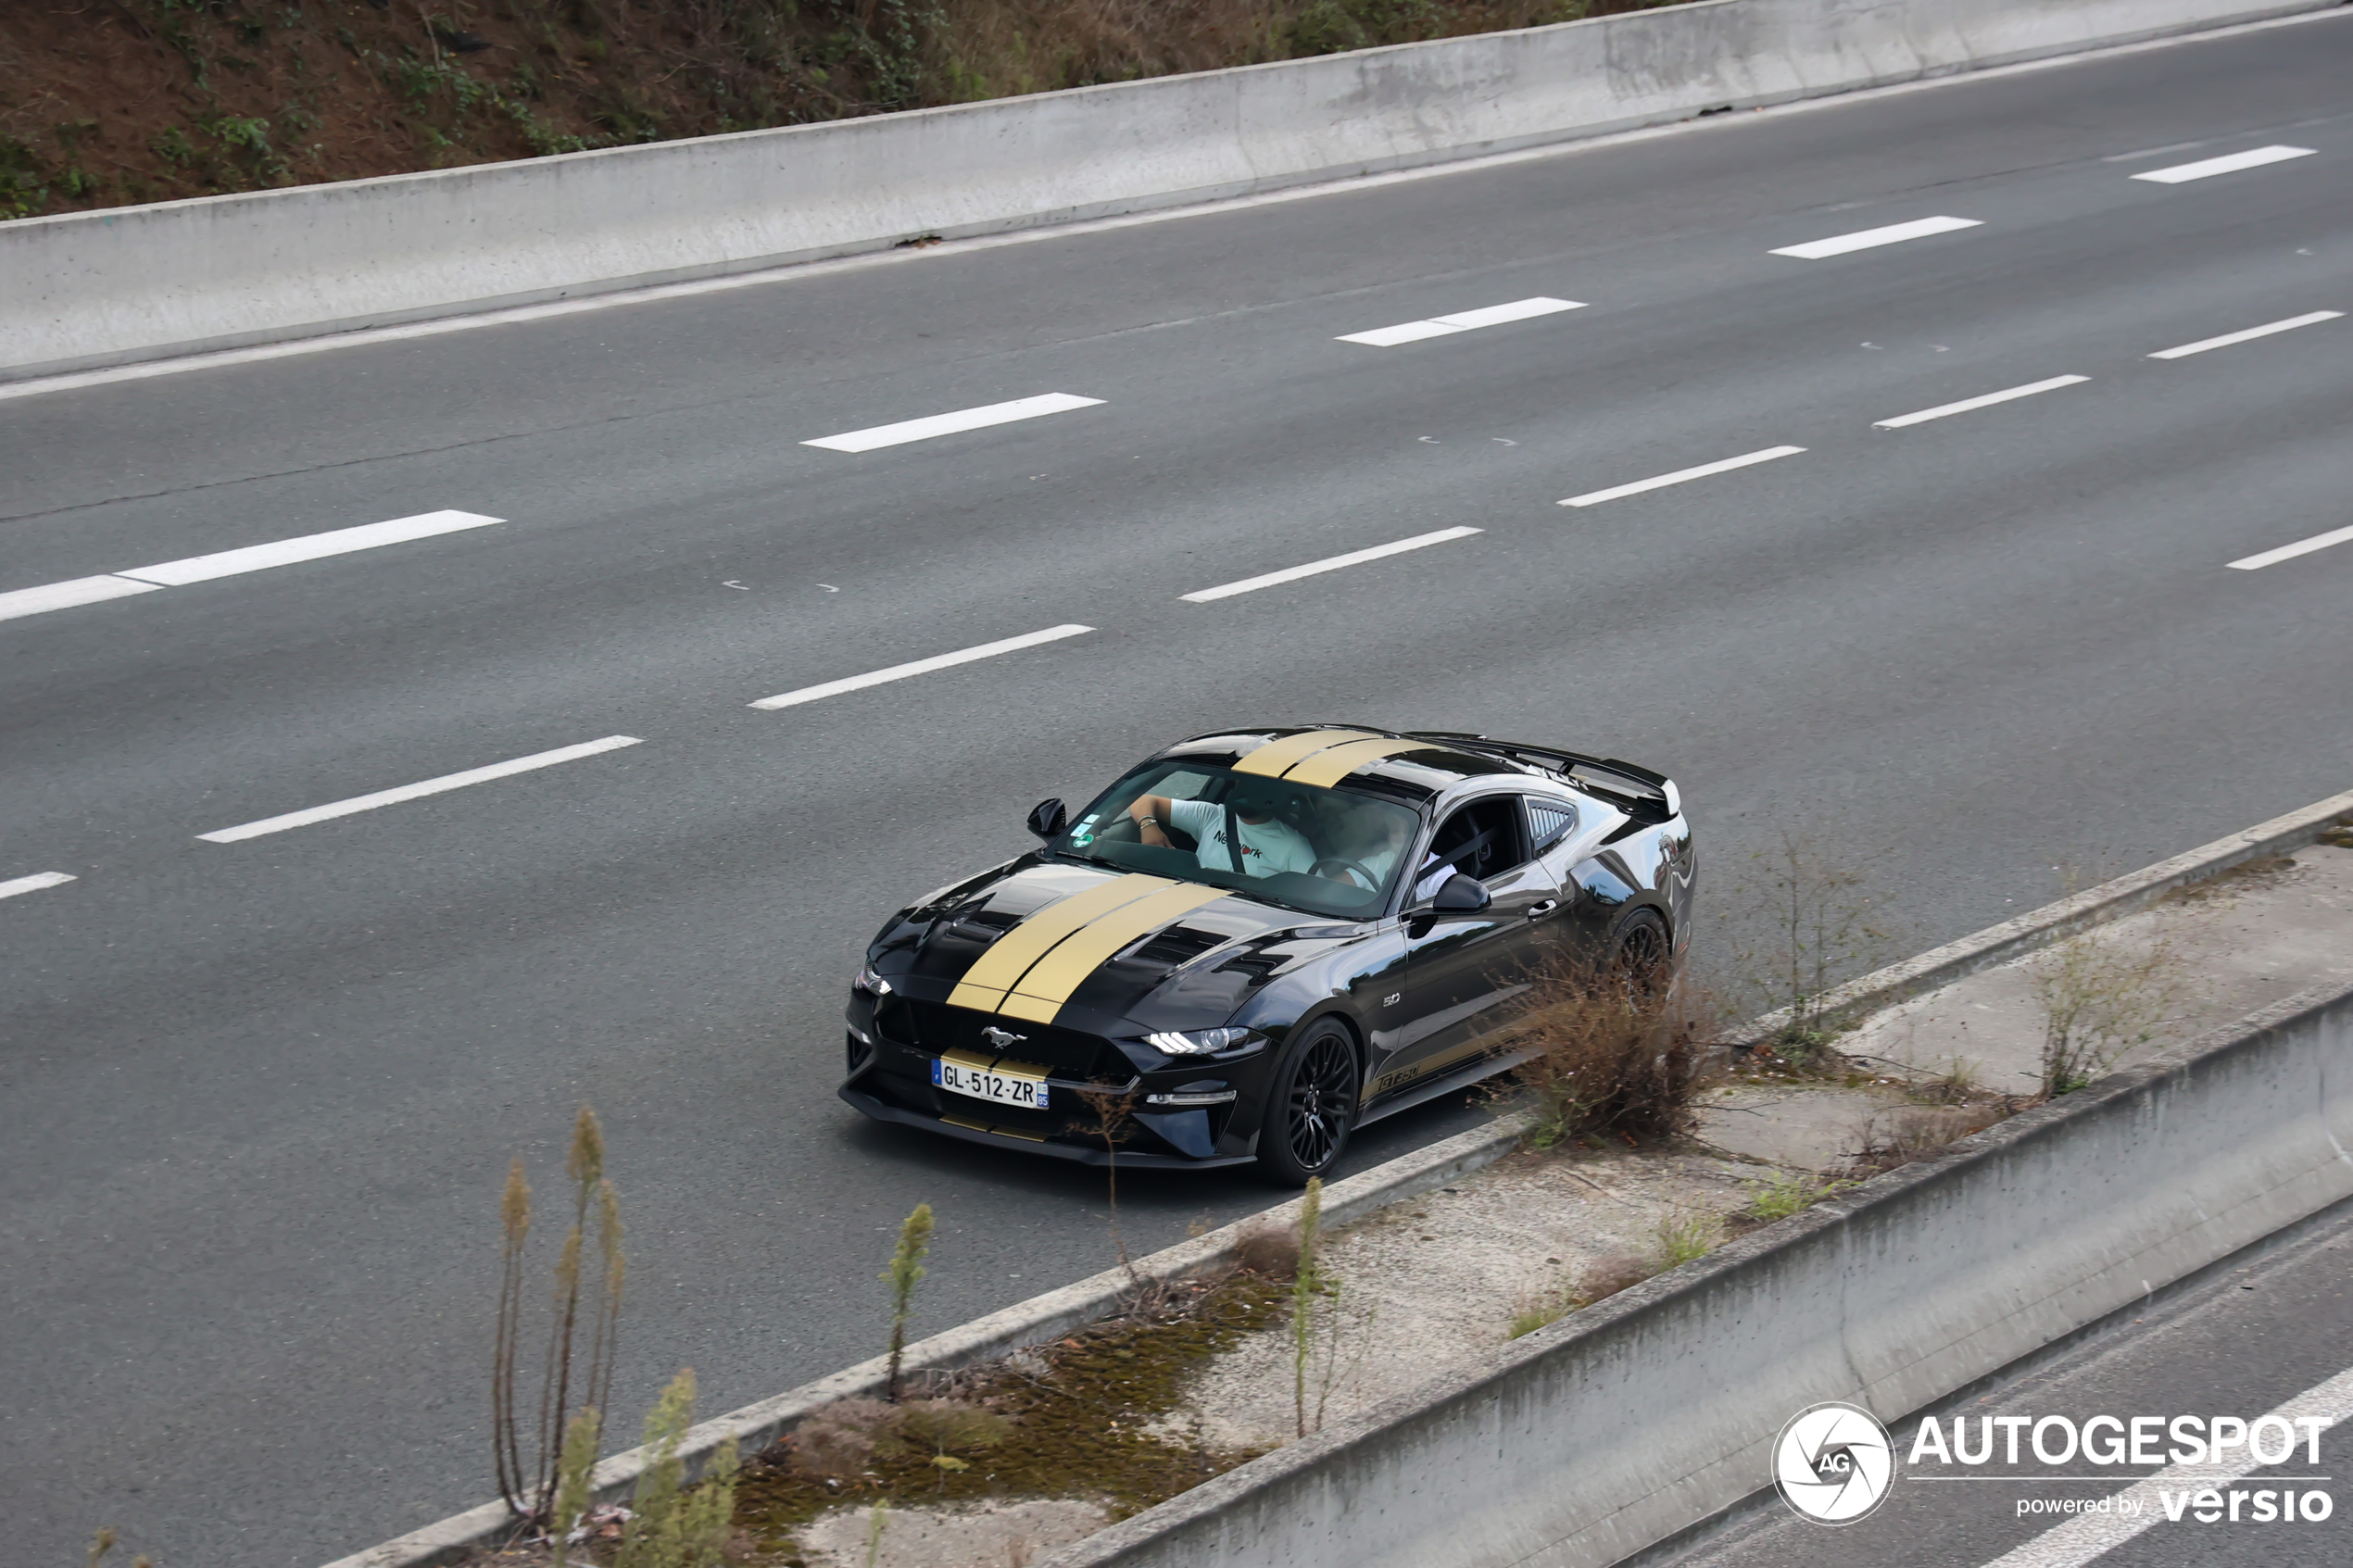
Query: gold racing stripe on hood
{"points": [[1009, 957], [1042, 993], [1326, 768], [1277, 755]]}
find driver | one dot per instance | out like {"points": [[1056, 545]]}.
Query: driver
{"points": [[1268, 844]]}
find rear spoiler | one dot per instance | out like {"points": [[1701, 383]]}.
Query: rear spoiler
{"points": [[1645, 795]]}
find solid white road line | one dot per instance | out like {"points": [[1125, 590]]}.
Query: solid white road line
{"points": [[34, 883], [1596, 497], [1921, 418], [2089, 1536], [230, 563], [1292, 573], [1462, 321], [2289, 552], [920, 666], [2229, 164], [418, 791], [2250, 334], [65, 596], [950, 424], [310, 546], [1864, 239]]}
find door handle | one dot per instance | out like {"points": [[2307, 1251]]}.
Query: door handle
{"points": [[1538, 911]]}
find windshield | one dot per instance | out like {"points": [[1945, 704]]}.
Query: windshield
{"points": [[1328, 851]]}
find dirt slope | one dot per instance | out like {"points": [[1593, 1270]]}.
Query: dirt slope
{"points": [[107, 102]]}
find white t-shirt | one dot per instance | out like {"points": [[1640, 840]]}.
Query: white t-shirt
{"points": [[1267, 848]]}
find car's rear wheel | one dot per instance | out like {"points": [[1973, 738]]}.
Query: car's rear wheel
{"points": [[1640, 956], [1312, 1105]]}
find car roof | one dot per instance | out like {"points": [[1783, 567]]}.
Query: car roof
{"points": [[1416, 765]]}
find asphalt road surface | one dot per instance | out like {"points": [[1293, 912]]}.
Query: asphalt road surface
{"points": [[2252, 1340], [260, 1090]]}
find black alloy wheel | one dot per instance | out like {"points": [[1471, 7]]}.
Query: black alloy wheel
{"points": [[1312, 1106], [1640, 956]]}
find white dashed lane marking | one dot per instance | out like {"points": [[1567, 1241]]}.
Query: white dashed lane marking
{"points": [[1867, 239], [2289, 552], [920, 666], [1333, 563], [2229, 164], [1462, 321], [961, 419], [1594, 497], [417, 791], [1987, 401], [34, 883], [233, 563], [2247, 336]]}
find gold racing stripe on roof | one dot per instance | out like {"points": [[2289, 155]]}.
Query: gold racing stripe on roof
{"points": [[1277, 755], [1328, 767], [1042, 993], [1008, 959]]}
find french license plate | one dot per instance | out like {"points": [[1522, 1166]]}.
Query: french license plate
{"points": [[999, 1083]]}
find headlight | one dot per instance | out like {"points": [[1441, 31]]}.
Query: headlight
{"points": [[1196, 1042], [869, 982]]}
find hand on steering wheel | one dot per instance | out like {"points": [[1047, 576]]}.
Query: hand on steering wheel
{"points": [[1372, 883]]}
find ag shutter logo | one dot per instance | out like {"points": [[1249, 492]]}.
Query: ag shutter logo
{"points": [[1834, 1464]]}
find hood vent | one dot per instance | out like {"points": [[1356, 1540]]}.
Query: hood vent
{"points": [[1259, 965], [1178, 946], [984, 925]]}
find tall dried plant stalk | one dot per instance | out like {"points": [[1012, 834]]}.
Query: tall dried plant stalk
{"points": [[514, 1211], [1114, 1119], [1308, 1285], [529, 1488], [906, 1271]]}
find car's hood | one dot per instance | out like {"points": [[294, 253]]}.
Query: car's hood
{"points": [[1089, 947]]}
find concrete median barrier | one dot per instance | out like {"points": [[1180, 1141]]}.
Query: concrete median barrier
{"points": [[92, 289], [1628, 1423]]}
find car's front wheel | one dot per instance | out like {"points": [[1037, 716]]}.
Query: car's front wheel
{"points": [[1312, 1105]]}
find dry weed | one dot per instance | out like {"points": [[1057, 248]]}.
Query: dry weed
{"points": [[1608, 1058]]}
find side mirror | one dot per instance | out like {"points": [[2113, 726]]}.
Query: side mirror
{"points": [[1048, 818], [1460, 895]]}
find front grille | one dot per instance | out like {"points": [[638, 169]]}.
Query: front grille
{"points": [[1063, 1053]]}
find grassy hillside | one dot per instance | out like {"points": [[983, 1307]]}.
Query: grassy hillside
{"points": [[106, 102]]}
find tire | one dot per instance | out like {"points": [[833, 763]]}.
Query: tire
{"points": [[1311, 1105], [1641, 954]]}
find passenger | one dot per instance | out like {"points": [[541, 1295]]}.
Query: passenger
{"points": [[1379, 839], [1269, 844]]}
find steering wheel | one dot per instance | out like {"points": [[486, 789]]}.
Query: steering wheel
{"points": [[1372, 883]]}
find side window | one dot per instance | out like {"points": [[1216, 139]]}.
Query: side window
{"points": [[1482, 839], [1549, 821]]}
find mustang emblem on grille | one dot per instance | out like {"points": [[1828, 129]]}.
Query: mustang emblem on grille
{"points": [[1003, 1039]]}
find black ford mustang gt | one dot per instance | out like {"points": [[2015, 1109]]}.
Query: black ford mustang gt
{"points": [[1262, 939]]}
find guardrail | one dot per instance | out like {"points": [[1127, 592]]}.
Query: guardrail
{"points": [[86, 290], [1640, 1417]]}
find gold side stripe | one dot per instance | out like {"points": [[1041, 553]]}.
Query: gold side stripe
{"points": [[1328, 768], [1277, 755], [1048, 986], [1009, 957], [975, 1127]]}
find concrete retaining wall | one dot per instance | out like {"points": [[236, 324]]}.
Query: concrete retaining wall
{"points": [[98, 288], [1628, 1422]]}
